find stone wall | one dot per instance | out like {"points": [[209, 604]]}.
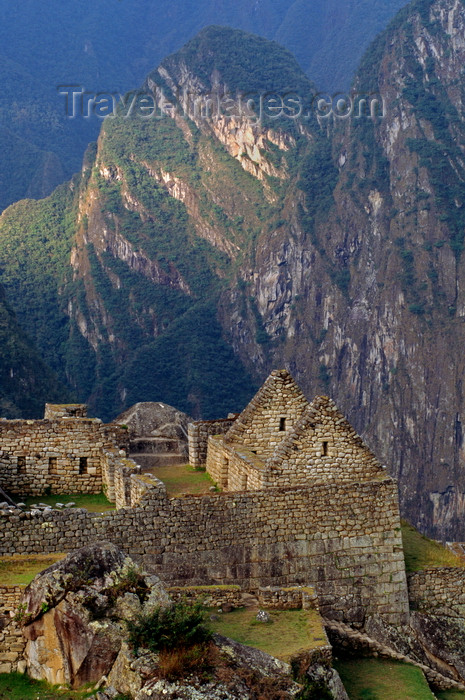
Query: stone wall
{"points": [[210, 596], [440, 591], [12, 644], [233, 467], [198, 434], [57, 456], [342, 539], [270, 416], [323, 446], [293, 598]]}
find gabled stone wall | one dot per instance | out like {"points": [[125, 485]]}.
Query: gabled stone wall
{"points": [[323, 446], [270, 416]]}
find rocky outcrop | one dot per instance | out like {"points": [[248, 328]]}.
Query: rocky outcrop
{"points": [[75, 613], [157, 433], [434, 645]]}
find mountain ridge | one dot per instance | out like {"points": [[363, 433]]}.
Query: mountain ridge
{"points": [[205, 252]]}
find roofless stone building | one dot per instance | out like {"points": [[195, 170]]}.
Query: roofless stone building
{"points": [[303, 502]]}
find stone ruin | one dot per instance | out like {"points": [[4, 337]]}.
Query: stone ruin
{"points": [[304, 505], [303, 502]]}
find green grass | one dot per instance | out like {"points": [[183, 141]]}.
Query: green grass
{"points": [[14, 686], [449, 695], [93, 502], [180, 479], [289, 632], [422, 553], [376, 679], [20, 569]]}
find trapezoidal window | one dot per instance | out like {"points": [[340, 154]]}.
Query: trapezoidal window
{"points": [[21, 462], [282, 425], [82, 465], [324, 448], [53, 465]]}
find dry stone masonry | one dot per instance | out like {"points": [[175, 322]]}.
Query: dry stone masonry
{"points": [[304, 503], [63, 453]]}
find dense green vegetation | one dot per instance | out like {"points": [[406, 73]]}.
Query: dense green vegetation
{"points": [[421, 553], [149, 339], [166, 629], [26, 383]]}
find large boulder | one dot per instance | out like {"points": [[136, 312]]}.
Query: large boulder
{"points": [[75, 613], [154, 419]]}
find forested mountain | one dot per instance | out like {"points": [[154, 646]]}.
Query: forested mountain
{"points": [[110, 46], [198, 250], [26, 382]]}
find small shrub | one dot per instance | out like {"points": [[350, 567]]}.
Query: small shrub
{"points": [[131, 582], [165, 629], [177, 663]]}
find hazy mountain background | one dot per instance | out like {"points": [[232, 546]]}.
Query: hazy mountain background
{"points": [[111, 45], [190, 256]]}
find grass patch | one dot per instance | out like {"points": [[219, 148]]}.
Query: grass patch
{"points": [[449, 695], [15, 686], [183, 478], [93, 502], [422, 553], [20, 569], [289, 632], [376, 679]]}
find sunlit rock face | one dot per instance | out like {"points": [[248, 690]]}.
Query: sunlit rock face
{"points": [[75, 612]]}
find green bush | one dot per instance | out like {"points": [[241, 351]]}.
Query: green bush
{"points": [[167, 629]]}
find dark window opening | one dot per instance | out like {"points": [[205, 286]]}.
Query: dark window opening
{"points": [[325, 449], [21, 465], [282, 425], [52, 465], [82, 465]]}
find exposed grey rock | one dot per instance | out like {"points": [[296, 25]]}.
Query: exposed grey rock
{"points": [[263, 616], [328, 678], [76, 612], [152, 419]]}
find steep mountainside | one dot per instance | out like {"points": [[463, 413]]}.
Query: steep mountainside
{"points": [[74, 42], [369, 294], [332, 247], [25, 382]]}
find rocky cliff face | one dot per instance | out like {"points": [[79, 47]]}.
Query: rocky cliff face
{"points": [[369, 294], [329, 246]]}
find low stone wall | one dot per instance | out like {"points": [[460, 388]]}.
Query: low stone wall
{"points": [[10, 597], [277, 537], [198, 434], [12, 643], [293, 598], [210, 596], [440, 590]]}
